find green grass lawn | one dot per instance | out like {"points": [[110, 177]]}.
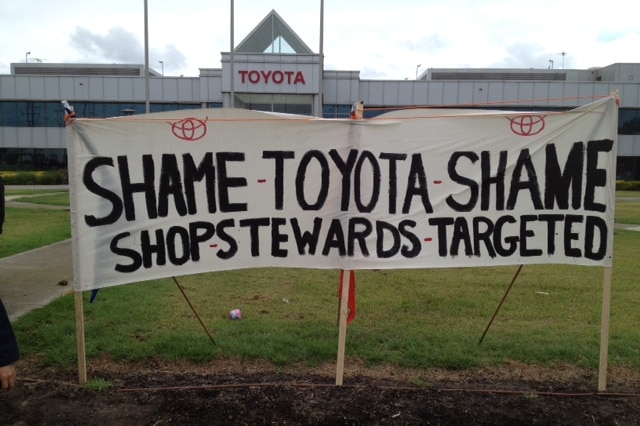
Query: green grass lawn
{"points": [[414, 318], [27, 229], [633, 194], [628, 212], [32, 192]]}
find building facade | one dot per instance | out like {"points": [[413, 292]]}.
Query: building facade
{"points": [[273, 70]]}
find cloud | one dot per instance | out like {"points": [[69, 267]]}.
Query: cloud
{"points": [[118, 45], [122, 46], [528, 55], [432, 43], [173, 59], [372, 73]]}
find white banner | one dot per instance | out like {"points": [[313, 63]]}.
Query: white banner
{"points": [[185, 192]]}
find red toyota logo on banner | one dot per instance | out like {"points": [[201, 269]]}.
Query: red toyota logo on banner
{"points": [[527, 125], [190, 129]]}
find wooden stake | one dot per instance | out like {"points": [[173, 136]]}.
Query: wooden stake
{"points": [[342, 324], [500, 304], [357, 113], [204, 327], [82, 356], [604, 333]]}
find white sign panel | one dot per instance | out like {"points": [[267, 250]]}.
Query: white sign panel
{"points": [[186, 192]]}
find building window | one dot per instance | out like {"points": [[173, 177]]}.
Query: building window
{"points": [[290, 104], [336, 111], [51, 114], [629, 121], [628, 168], [31, 114], [33, 158]]}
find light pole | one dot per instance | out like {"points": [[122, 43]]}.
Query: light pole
{"points": [[162, 65], [26, 57], [417, 68]]}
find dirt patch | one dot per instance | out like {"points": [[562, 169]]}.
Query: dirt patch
{"points": [[232, 392]]}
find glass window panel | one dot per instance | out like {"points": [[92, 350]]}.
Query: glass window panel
{"points": [[629, 121], [336, 111], [10, 114], [99, 110], [329, 111], [85, 109], [22, 116], [33, 158], [189, 106], [25, 158], [36, 117], [55, 158], [112, 110], [627, 168], [53, 114], [292, 104], [300, 109]]}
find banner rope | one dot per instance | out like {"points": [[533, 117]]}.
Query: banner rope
{"points": [[494, 103], [294, 117]]}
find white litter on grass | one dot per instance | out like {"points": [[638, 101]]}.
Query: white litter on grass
{"points": [[542, 292]]}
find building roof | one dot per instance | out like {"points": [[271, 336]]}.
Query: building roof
{"points": [[58, 69], [497, 74], [269, 34]]}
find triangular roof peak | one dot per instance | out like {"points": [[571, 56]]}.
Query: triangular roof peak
{"points": [[268, 34]]}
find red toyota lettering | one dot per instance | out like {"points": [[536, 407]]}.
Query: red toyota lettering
{"points": [[277, 77], [299, 78], [254, 77]]}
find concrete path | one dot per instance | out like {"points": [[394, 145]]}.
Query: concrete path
{"points": [[34, 278]]}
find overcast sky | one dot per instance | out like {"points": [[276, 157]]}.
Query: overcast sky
{"points": [[381, 39]]}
